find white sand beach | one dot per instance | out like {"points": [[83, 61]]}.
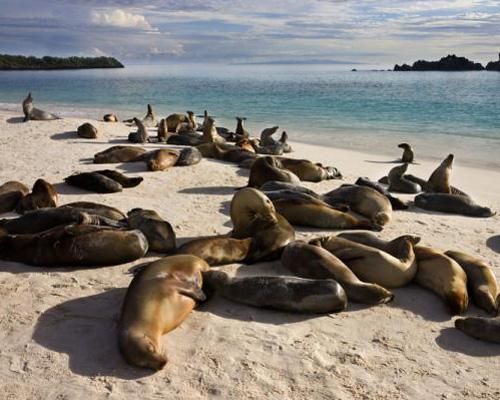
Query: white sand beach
{"points": [[58, 326]]}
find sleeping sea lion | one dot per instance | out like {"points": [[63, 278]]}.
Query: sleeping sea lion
{"points": [[487, 329], [273, 186], [141, 135], [398, 183], [374, 265], [444, 276], [308, 171], [97, 209], [188, 156], [158, 232], [125, 181], [11, 193], [279, 293], [481, 281], [74, 245], [452, 204], [119, 154], [159, 299], [314, 262], [43, 195], [396, 203], [94, 182], [160, 160], [183, 140], [217, 250], [110, 118], [266, 169], [35, 114], [408, 154], [87, 131]]}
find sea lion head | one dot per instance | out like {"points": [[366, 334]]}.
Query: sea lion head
{"points": [[333, 173], [382, 218], [248, 207], [150, 109], [448, 161], [404, 146], [140, 350]]}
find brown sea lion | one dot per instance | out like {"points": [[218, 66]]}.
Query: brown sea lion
{"points": [[149, 119], [240, 131], [408, 154], [439, 181], [43, 195], [160, 160], [125, 181], [266, 169], [363, 200], [97, 209], [308, 171], [110, 118], [398, 183], [452, 204], [35, 114], [160, 235], [273, 186], [173, 121], [234, 155], [141, 135], [188, 156], [284, 143], [245, 144], [74, 245], [163, 133], [217, 250], [87, 131], [279, 292], [392, 247], [396, 203], [94, 182], [158, 300], [487, 329], [118, 154], [266, 138], [444, 276], [210, 134], [314, 262], [11, 193], [374, 265], [481, 281], [190, 126]]}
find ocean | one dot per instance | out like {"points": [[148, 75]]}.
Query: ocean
{"points": [[370, 111]]}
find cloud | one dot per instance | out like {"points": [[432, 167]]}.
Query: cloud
{"points": [[120, 18]]}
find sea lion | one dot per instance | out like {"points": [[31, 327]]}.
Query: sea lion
{"points": [[11, 193], [266, 138], [396, 203], [160, 160], [190, 126], [74, 245], [87, 131], [481, 281], [159, 299], [444, 276], [374, 265], [266, 169], [308, 171], [273, 186], [363, 200], [110, 118], [408, 154], [94, 182], [43, 195], [398, 183], [439, 181], [241, 132], [234, 154], [125, 181], [210, 134], [487, 329], [452, 204], [183, 140], [304, 210], [46, 218], [173, 121], [284, 143], [119, 154], [188, 156], [35, 114], [314, 262], [141, 136], [163, 133], [149, 119], [160, 235], [392, 247], [217, 250], [279, 293], [97, 209]]}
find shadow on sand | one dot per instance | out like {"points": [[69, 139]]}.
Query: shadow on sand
{"points": [[494, 243], [65, 135], [15, 120], [452, 339], [213, 190]]}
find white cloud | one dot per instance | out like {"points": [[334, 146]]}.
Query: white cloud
{"points": [[120, 18]]}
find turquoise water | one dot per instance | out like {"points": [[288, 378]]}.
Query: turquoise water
{"points": [[363, 110]]}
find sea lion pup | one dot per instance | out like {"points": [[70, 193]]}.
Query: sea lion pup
{"points": [[141, 136], [481, 281], [363, 200], [279, 292], [210, 134], [266, 138], [188, 156], [35, 114], [110, 118], [408, 154], [444, 276], [253, 215], [266, 169], [398, 183], [452, 204], [75, 245], [118, 154], [149, 119], [308, 171], [374, 265], [11, 193], [487, 329], [46, 218], [304, 210], [94, 182], [97, 209], [160, 235], [240, 132], [43, 195], [160, 160], [87, 131], [158, 300], [396, 203], [314, 262], [217, 250]]}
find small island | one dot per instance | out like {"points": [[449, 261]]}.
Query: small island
{"points": [[17, 62], [494, 65], [448, 63]]}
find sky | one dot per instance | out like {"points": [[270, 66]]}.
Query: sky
{"points": [[375, 32]]}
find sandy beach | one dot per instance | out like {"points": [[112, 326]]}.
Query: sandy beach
{"points": [[58, 326]]}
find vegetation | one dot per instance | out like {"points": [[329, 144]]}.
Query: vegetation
{"points": [[10, 62]]}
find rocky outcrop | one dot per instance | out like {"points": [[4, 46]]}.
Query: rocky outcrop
{"points": [[494, 65], [448, 63]]}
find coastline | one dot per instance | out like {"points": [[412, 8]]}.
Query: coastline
{"points": [[58, 325]]}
